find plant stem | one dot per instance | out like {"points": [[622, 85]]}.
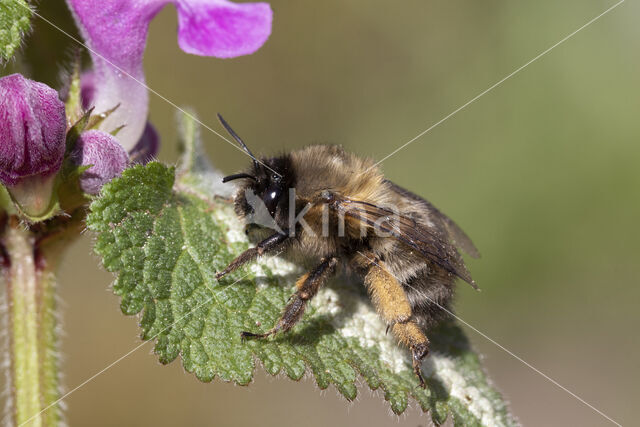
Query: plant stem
{"points": [[48, 349], [33, 369]]}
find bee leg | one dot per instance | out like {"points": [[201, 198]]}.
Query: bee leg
{"points": [[267, 245], [411, 335], [393, 306], [307, 287]]}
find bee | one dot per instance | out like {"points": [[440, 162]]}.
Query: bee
{"points": [[336, 212]]}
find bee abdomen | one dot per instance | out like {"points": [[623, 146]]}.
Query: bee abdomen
{"points": [[430, 294]]}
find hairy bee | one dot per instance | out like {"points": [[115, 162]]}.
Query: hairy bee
{"points": [[337, 211]]}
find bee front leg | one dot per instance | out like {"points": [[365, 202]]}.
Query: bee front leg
{"points": [[307, 287], [267, 245]]}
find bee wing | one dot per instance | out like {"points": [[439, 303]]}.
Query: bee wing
{"points": [[457, 236], [433, 245]]}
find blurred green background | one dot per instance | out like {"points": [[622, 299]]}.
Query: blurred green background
{"points": [[542, 172]]}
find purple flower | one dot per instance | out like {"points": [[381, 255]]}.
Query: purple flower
{"points": [[87, 89], [104, 153], [116, 32], [147, 147], [32, 130]]}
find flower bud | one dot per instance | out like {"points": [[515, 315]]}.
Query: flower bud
{"points": [[32, 129], [104, 153], [32, 142]]}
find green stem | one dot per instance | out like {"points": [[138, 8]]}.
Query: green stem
{"points": [[32, 331], [49, 376]]}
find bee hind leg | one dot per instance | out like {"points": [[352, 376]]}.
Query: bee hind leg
{"points": [[307, 287], [411, 334], [393, 306], [419, 352]]}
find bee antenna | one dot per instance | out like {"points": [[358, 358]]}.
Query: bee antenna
{"points": [[239, 140], [237, 176]]}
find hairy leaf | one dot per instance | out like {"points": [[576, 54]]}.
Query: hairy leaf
{"points": [[15, 16], [165, 235]]}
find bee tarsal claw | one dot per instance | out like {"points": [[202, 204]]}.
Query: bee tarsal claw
{"points": [[419, 352], [420, 378], [246, 334], [417, 369]]}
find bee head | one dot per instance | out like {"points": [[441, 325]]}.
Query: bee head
{"points": [[266, 185]]}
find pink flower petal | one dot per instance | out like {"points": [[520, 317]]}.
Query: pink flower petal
{"points": [[221, 28], [116, 33]]}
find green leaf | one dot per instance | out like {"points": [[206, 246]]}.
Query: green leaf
{"points": [[165, 235], [15, 17]]}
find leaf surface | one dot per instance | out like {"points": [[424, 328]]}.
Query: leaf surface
{"points": [[15, 17]]}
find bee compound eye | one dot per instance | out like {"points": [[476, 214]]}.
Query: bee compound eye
{"points": [[271, 198]]}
